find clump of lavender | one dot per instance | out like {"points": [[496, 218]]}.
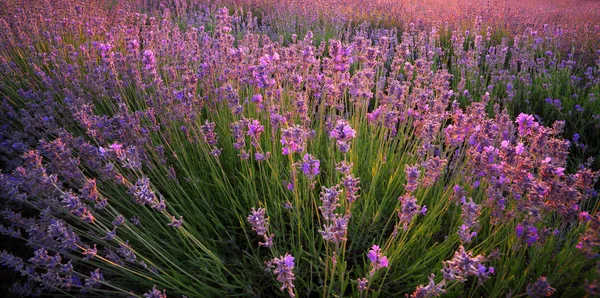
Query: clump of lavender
{"points": [[343, 134], [260, 225], [463, 264], [283, 267]]}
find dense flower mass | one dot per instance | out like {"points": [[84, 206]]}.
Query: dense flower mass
{"points": [[259, 148]]}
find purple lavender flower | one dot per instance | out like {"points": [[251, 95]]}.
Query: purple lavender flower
{"points": [[293, 139], [283, 268], [142, 192], [412, 178], [176, 223], [378, 260], [94, 280], [362, 284], [90, 253], [409, 209], [350, 184], [343, 134], [430, 290], [541, 288], [255, 129], [260, 225], [344, 167], [257, 98], [463, 265], [330, 198], [154, 293], [208, 133], [310, 166], [337, 228]]}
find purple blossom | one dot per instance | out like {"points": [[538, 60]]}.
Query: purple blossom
{"points": [[154, 293], [351, 186], [336, 229], [208, 133], [540, 288], [409, 209], [176, 223], [260, 225], [293, 139], [330, 198], [255, 129], [283, 268], [142, 192], [95, 279], [310, 166], [463, 265], [362, 284], [429, 290], [412, 178], [90, 253], [378, 260], [343, 167], [343, 134]]}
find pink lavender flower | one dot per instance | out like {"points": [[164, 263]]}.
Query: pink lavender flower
{"points": [[378, 260], [260, 225], [541, 288], [284, 266]]}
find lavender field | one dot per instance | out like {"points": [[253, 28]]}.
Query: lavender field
{"points": [[264, 148]]}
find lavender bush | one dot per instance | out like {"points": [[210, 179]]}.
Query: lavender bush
{"points": [[195, 149]]}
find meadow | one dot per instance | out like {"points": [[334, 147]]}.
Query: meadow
{"points": [[264, 148]]}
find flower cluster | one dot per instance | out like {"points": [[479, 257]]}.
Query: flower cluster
{"points": [[260, 225], [283, 267], [343, 134]]}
